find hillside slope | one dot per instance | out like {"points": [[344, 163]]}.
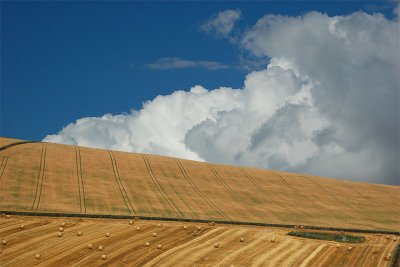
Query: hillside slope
{"points": [[47, 177]]}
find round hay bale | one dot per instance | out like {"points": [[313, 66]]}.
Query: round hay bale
{"points": [[272, 239], [387, 237], [159, 246], [185, 227], [79, 233], [107, 234], [4, 242], [337, 245], [136, 218], [216, 245], [90, 246], [212, 223], [138, 228], [159, 225], [59, 234], [394, 239], [301, 226], [147, 244], [349, 248], [63, 224], [100, 248], [130, 222], [104, 256], [154, 234], [376, 251], [198, 228], [61, 229], [22, 227], [8, 216], [37, 256], [388, 257], [242, 239]]}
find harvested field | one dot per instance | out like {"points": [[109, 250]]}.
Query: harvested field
{"points": [[178, 247], [45, 177]]}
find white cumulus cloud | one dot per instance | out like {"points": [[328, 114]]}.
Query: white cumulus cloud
{"points": [[222, 24], [327, 104]]}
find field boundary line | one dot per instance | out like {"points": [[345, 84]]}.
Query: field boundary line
{"points": [[159, 188], [82, 203], [396, 257], [250, 208], [40, 178], [181, 219], [120, 184], [16, 144], [265, 192], [209, 202]]}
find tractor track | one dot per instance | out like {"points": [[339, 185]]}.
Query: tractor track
{"points": [[3, 167], [265, 192], [81, 188], [40, 178], [121, 187], [159, 188], [240, 200], [209, 202]]}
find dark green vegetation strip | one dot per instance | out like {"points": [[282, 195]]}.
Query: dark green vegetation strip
{"points": [[109, 216], [396, 257], [338, 237]]}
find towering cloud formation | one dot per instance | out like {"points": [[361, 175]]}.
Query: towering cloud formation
{"points": [[326, 104]]}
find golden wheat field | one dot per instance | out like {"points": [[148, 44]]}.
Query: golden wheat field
{"points": [[45, 178], [197, 245]]}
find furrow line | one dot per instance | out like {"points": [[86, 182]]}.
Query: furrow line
{"points": [[365, 252], [240, 200], [82, 195], [3, 167], [185, 246], [42, 177], [331, 194], [159, 188], [359, 193], [120, 184], [185, 174], [78, 179], [265, 192], [38, 178], [303, 196]]}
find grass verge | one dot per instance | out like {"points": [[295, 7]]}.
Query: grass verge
{"points": [[337, 237]]}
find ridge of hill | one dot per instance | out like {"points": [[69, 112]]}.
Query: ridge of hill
{"points": [[47, 177]]}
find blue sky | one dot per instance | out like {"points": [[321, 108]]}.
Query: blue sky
{"points": [[66, 60], [299, 86]]}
